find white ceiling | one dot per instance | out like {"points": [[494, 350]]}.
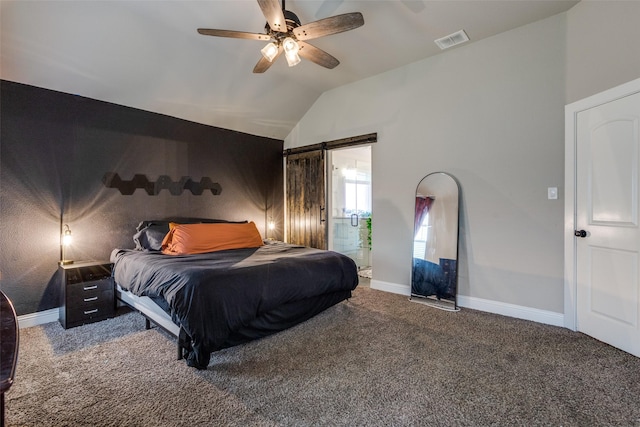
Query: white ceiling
{"points": [[148, 55]]}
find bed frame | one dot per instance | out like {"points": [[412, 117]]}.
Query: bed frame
{"points": [[153, 313]]}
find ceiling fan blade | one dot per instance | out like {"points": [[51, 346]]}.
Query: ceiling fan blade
{"points": [[273, 12], [234, 34], [327, 26], [316, 55], [264, 64]]}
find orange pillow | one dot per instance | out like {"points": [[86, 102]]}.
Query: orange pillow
{"points": [[185, 239]]}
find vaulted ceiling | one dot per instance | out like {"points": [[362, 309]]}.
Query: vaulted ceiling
{"points": [[148, 54]]}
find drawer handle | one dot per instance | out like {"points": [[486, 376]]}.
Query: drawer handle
{"points": [[90, 288], [90, 299], [95, 310]]}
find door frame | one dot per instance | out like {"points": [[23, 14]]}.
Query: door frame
{"points": [[329, 187], [570, 181], [366, 139]]}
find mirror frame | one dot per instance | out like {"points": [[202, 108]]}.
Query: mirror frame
{"points": [[446, 269]]}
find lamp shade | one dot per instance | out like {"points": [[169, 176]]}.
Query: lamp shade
{"points": [[66, 236], [293, 59], [270, 51], [291, 49], [65, 242], [290, 45]]}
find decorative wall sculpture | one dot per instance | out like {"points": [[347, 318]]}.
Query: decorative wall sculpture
{"points": [[113, 180]]}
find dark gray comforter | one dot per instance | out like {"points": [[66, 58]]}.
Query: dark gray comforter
{"points": [[222, 298]]}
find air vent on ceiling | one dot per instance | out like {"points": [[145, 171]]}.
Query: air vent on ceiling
{"points": [[452, 39]]}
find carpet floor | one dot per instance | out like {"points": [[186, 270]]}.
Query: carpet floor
{"points": [[375, 360]]}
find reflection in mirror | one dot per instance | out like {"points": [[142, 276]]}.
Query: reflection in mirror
{"points": [[434, 274]]}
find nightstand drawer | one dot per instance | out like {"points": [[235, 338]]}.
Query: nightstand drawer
{"points": [[86, 312], [80, 291], [91, 296]]}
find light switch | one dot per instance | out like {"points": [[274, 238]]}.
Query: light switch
{"points": [[552, 193]]}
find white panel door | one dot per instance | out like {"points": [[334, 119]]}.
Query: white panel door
{"points": [[608, 233]]}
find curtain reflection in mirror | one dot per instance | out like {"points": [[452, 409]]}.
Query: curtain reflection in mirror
{"points": [[421, 226]]}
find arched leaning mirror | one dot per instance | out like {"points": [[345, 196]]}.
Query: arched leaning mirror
{"points": [[434, 274]]}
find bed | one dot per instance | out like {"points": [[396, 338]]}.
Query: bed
{"points": [[216, 299]]}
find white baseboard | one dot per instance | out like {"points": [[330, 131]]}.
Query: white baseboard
{"points": [[489, 306], [38, 318], [394, 288], [512, 310]]}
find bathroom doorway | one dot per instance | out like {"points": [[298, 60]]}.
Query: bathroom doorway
{"points": [[350, 207]]}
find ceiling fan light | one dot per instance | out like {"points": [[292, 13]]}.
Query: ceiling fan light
{"points": [[290, 46], [292, 58], [270, 51]]}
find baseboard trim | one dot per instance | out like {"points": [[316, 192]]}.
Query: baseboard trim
{"points": [[394, 288], [489, 306], [512, 310], [38, 318]]}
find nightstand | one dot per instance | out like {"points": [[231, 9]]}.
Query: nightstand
{"points": [[88, 293]]}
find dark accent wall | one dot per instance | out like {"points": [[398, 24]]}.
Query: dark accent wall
{"points": [[55, 149]]}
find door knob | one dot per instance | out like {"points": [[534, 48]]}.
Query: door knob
{"points": [[580, 233]]}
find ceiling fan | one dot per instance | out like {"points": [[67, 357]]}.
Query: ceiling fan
{"points": [[285, 33]]}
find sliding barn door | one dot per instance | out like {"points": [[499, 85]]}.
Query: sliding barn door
{"points": [[306, 214]]}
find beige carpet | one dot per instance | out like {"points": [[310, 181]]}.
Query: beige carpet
{"points": [[375, 360]]}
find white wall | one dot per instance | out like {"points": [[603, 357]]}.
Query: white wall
{"points": [[603, 46], [490, 113]]}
